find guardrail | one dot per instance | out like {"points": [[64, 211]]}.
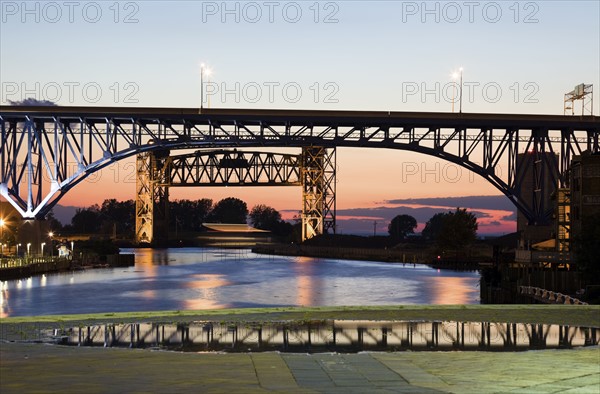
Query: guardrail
{"points": [[549, 297], [15, 262]]}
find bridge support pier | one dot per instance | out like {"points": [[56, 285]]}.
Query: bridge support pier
{"points": [[318, 190], [152, 198]]}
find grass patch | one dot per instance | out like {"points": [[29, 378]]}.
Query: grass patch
{"points": [[574, 315]]}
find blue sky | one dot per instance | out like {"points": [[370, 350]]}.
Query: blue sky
{"points": [[518, 57]]}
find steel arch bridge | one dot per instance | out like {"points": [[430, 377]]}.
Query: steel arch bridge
{"points": [[39, 144]]}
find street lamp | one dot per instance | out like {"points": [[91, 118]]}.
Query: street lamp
{"points": [[460, 94], [18, 249], [28, 246], [454, 77], [203, 70], [43, 244], [51, 234], [2, 223]]}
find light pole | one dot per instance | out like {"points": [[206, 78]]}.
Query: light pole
{"points": [[43, 244], [460, 94], [203, 70], [51, 234], [18, 249], [28, 246], [454, 77], [2, 222]]}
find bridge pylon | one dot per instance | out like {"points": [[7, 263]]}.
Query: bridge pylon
{"points": [[152, 197], [318, 170]]}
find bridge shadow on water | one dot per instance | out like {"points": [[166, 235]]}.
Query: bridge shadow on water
{"points": [[329, 336]]}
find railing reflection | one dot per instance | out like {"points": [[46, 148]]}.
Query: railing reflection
{"points": [[339, 336]]}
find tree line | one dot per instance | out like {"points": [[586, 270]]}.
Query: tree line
{"points": [[453, 229], [184, 215]]}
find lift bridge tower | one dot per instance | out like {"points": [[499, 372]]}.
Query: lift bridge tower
{"points": [[314, 170]]}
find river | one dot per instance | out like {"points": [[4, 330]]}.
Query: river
{"points": [[205, 278]]}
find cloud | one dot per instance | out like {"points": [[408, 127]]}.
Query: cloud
{"points": [[474, 202]]}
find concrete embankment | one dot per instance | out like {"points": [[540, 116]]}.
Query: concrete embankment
{"points": [[390, 255], [18, 268]]}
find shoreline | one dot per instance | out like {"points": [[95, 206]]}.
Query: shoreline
{"points": [[581, 315]]}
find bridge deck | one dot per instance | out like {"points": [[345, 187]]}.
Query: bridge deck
{"points": [[318, 117]]}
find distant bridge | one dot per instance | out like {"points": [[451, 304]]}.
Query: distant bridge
{"points": [[38, 144]]}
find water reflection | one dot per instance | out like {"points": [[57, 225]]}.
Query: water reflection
{"points": [[450, 290], [331, 335], [306, 287], [206, 295], [205, 278]]}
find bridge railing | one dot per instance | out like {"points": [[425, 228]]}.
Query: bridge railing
{"points": [[15, 262], [549, 297]]}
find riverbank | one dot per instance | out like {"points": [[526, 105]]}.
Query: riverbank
{"points": [[12, 268], [575, 315], [387, 255], [420, 256]]}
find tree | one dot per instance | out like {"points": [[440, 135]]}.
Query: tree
{"points": [[86, 220], [401, 226], [433, 227], [188, 215], [229, 210], [53, 223], [452, 230], [118, 213], [459, 229], [264, 217]]}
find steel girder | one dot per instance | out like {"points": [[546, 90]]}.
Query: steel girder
{"points": [[46, 151], [157, 171], [232, 167], [318, 191], [152, 197]]}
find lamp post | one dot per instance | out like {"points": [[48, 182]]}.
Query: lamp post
{"points": [[42, 245], [454, 77], [2, 223], [18, 249], [460, 94], [28, 246], [51, 234], [203, 70]]}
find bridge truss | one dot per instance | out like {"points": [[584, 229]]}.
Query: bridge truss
{"points": [[46, 151], [157, 171]]}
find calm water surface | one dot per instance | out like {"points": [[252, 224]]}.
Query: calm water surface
{"points": [[200, 278]]}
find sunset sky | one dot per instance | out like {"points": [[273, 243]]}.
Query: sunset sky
{"points": [[518, 57]]}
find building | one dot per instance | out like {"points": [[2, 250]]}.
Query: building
{"points": [[537, 182], [585, 189]]}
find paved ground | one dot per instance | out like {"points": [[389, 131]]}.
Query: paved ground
{"points": [[47, 368]]}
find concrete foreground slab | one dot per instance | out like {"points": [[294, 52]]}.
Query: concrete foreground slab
{"points": [[26, 368]]}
